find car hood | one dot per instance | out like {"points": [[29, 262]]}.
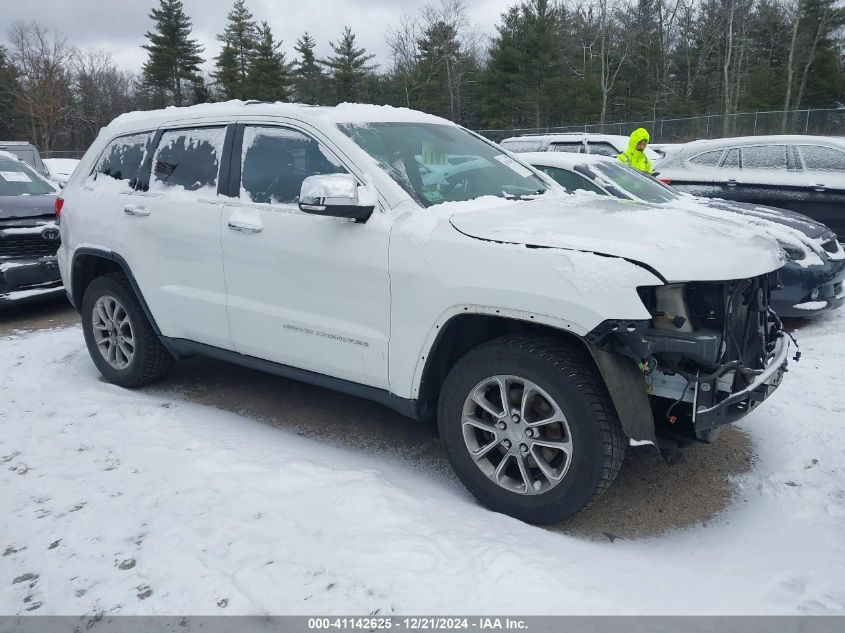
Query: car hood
{"points": [[26, 206], [809, 227], [681, 245]]}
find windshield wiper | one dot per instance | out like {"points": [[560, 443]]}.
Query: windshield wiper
{"points": [[523, 196]]}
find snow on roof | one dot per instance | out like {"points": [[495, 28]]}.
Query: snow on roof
{"points": [[8, 156], [343, 113], [566, 160], [773, 139], [569, 136]]}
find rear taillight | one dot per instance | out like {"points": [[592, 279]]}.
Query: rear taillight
{"points": [[666, 181], [59, 204]]}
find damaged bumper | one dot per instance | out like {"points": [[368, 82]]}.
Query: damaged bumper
{"points": [[711, 361], [24, 280], [742, 401]]}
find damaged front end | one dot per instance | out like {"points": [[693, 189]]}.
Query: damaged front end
{"points": [[710, 354]]}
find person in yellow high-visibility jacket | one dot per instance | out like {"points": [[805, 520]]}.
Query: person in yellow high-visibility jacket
{"points": [[635, 154]]}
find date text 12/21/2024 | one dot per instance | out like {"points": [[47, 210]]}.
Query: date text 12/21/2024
{"points": [[417, 623]]}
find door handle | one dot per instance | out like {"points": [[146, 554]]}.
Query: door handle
{"points": [[731, 183], [134, 209], [244, 228]]}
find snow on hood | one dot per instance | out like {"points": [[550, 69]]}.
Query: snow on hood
{"points": [[680, 244], [809, 227], [791, 230], [27, 206]]}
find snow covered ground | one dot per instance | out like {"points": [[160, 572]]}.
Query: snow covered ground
{"points": [[142, 502]]}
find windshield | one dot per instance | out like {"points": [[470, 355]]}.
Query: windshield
{"points": [[18, 179], [438, 163], [631, 181]]}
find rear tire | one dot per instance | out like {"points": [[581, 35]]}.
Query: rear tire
{"points": [[552, 450], [118, 334]]}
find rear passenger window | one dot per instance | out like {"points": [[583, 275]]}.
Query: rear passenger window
{"points": [[275, 161], [523, 146], [764, 157], [573, 148], [817, 157], [707, 159], [732, 159], [122, 158], [188, 159], [603, 149], [570, 180]]}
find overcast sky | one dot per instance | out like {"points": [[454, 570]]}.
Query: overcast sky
{"points": [[118, 26]]}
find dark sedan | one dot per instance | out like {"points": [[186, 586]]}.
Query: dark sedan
{"points": [[812, 280], [29, 236]]}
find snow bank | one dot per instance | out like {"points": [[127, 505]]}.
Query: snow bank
{"points": [[140, 502]]}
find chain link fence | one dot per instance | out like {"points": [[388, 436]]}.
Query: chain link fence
{"points": [[819, 122], [70, 153]]}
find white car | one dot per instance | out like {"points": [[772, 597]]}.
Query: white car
{"points": [[305, 241], [574, 143], [60, 169]]}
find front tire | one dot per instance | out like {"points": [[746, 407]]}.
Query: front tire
{"points": [[529, 427], [118, 334]]}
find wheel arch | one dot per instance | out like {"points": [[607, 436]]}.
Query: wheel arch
{"points": [[468, 329], [90, 263]]}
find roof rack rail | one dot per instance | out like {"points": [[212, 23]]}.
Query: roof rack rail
{"points": [[552, 133]]}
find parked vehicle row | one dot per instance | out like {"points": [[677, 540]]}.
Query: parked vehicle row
{"points": [[396, 256], [574, 143], [805, 174]]}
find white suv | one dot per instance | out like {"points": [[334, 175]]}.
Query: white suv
{"points": [[574, 143], [398, 257]]}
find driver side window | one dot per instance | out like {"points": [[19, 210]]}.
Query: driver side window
{"points": [[571, 181], [275, 161]]}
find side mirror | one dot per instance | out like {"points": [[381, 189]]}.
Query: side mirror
{"points": [[334, 195]]}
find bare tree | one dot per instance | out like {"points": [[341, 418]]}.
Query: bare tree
{"points": [[45, 99], [405, 50], [101, 91], [613, 51], [823, 25], [794, 9], [438, 41]]}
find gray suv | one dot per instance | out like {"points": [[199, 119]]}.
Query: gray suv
{"points": [[27, 152]]}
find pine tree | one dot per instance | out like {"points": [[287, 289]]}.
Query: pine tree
{"points": [[523, 81], [201, 93], [439, 53], [269, 73], [239, 40], [9, 87], [226, 74], [310, 82], [348, 67], [173, 56]]}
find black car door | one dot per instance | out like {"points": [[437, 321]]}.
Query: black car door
{"points": [[823, 196], [769, 175]]}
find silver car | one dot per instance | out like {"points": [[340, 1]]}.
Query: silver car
{"points": [[799, 173]]}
